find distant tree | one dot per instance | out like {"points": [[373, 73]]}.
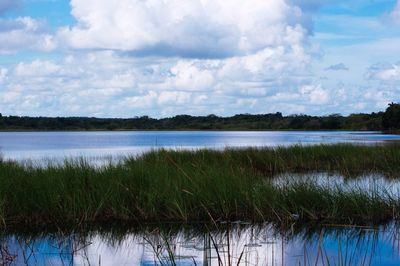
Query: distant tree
{"points": [[335, 121], [298, 121], [332, 121], [274, 121], [112, 126], [391, 117]]}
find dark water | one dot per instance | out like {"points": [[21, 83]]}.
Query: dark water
{"points": [[238, 244], [38, 145]]}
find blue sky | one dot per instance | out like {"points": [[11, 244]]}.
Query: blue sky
{"points": [[161, 58]]}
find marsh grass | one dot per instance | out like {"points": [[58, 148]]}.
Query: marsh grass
{"points": [[199, 186]]}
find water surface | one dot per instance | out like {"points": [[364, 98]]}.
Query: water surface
{"points": [[236, 243], [38, 145]]}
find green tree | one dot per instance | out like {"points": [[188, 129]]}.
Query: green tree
{"points": [[391, 117]]}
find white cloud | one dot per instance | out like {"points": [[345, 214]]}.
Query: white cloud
{"points": [[201, 99], [37, 68], [174, 98], [315, 94], [380, 97], [106, 84], [144, 102], [161, 58], [124, 80], [392, 73], [246, 53], [25, 33], [3, 74], [192, 28], [9, 97], [186, 75], [384, 72]]}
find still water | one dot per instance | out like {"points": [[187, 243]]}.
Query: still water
{"points": [[50, 145], [234, 244]]}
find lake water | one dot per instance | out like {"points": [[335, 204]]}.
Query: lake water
{"points": [[38, 145], [238, 244], [373, 184]]}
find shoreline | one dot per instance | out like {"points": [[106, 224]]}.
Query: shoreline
{"points": [[204, 130]]}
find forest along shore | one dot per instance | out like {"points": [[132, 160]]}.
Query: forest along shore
{"points": [[388, 121]]}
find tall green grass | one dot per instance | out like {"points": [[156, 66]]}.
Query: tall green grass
{"points": [[198, 186]]}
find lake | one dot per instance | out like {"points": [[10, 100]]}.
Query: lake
{"points": [[97, 145]]}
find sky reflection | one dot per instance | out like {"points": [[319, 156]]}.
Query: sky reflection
{"points": [[36, 146], [236, 243]]}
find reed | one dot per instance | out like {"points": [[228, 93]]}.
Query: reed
{"points": [[200, 186]]}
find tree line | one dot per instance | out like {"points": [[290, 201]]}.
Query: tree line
{"points": [[388, 120]]}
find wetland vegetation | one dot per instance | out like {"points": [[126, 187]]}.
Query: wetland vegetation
{"points": [[201, 186]]}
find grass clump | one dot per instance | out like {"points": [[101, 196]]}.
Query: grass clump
{"points": [[198, 186]]}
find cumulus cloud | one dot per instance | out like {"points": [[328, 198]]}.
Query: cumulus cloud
{"points": [[384, 72], [380, 97], [193, 28], [25, 33], [337, 67], [162, 58], [187, 75], [174, 98], [315, 94], [225, 56], [3, 74], [105, 84], [37, 68]]}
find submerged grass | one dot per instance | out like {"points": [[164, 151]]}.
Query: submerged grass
{"points": [[204, 185]]}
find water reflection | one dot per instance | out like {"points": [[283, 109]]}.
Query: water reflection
{"points": [[37, 145], [373, 183], [233, 244]]}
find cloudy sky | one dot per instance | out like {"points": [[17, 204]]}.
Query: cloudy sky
{"points": [[165, 57]]}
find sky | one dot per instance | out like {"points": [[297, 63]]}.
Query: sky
{"points": [[162, 58]]}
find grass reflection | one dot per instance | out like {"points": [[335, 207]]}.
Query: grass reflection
{"points": [[222, 244]]}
